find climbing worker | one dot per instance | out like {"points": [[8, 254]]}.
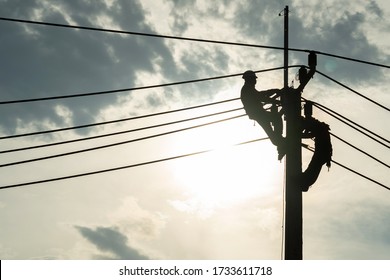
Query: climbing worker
{"points": [[271, 121]]}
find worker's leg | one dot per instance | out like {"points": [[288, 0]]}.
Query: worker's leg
{"points": [[275, 117], [275, 137]]}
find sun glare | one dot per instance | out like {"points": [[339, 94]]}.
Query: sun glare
{"points": [[229, 174]]}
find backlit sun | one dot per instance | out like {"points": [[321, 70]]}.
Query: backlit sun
{"points": [[229, 174]]}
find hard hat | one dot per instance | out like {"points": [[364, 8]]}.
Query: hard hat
{"points": [[249, 74]]}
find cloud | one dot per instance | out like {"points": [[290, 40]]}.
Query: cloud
{"points": [[130, 226], [339, 28], [365, 226], [342, 31], [45, 61], [137, 221], [111, 240], [374, 8], [352, 227]]}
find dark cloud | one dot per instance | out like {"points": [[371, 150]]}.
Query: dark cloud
{"points": [[342, 35], [46, 61], [112, 241], [262, 23], [374, 8]]}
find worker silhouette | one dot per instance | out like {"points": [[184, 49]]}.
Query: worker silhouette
{"points": [[271, 121], [322, 152]]}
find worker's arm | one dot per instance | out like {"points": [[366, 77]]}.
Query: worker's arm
{"points": [[269, 96], [273, 93]]}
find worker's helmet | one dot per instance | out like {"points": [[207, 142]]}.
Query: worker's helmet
{"points": [[249, 75]]}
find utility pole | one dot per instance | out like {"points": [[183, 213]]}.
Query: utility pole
{"points": [[293, 194]]}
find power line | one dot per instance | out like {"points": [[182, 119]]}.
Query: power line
{"points": [[116, 121], [352, 59], [165, 124], [341, 118], [358, 149], [162, 160], [361, 175], [332, 113], [117, 168], [335, 114], [354, 91], [140, 34], [188, 39], [355, 128], [114, 133], [134, 88], [115, 144], [355, 172]]}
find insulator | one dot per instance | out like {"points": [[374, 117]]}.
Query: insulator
{"points": [[312, 59]]}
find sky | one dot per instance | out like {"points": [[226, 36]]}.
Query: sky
{"points": [[224, 204]]}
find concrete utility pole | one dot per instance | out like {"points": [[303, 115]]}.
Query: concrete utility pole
{"points": [[293, 195]]}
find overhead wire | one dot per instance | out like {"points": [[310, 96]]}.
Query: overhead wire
{"points": [[360, 150], [143, 128], [116, 143], [187, 39], [354, 171], [360, 174], [115, 133], [350, 123], [128, 89], [123, 32], [135, 88], [354, 91], [162, 160], [359, 128], [119, 168], [339, 117], [117, 120], [228, 43], [180, 38], [351, 59]]}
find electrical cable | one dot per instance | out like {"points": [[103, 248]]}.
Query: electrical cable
{"points": [[354, 91], [115, 144], [334, 115], [166, 159], [361, 175], [358, 149], [114, 133], [116, 121], [355, 172], [322, 107], [119, 168], [352, 59], [188, 39], [140, 34], [136, 88], [341, 117]]}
